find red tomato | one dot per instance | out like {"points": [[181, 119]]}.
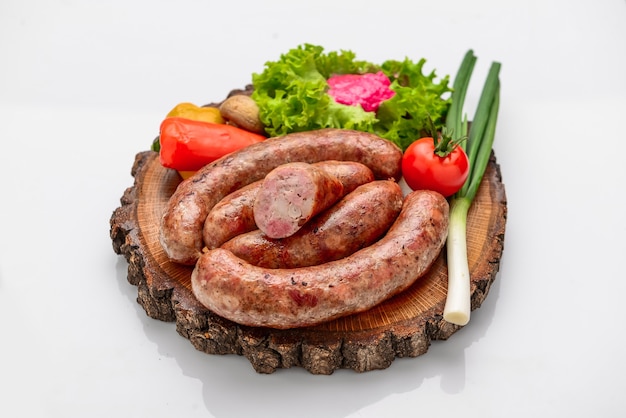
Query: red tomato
{"points": [[423, 169]]}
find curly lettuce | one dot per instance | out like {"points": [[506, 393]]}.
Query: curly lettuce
{"points": [[292, 96]]}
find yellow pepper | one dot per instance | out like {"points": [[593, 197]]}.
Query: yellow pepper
{"points": [[186, 174], [193, 112]]}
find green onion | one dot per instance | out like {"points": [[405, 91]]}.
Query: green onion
{"points": [[459, 90], [478, 147]]}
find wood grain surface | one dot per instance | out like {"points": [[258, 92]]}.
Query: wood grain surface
{"points": [[403, 326]]}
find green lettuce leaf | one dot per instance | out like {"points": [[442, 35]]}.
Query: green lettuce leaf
{"points": [[292, 96]]}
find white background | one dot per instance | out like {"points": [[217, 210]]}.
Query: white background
{"points": [[84, 86]]}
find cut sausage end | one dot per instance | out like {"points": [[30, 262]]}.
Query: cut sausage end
{"points": [[291, 195], [307, 296], [188, 207], [333, 234]]}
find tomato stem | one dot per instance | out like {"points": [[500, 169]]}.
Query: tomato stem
{"points": [[446, 142], [443, 142]]}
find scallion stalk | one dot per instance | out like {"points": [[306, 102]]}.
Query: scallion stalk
{"points": [[478, 146], [459, 90]]}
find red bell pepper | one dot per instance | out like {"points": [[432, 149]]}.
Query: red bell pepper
{"points": [[188, 145]]}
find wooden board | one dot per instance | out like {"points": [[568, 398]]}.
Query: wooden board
{"points": [[403, 326]]}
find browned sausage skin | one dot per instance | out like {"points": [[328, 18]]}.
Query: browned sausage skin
{"points": [[356, 221], [231, 216], [184, 216], [289, 298], [350, 173], [234, 215]]}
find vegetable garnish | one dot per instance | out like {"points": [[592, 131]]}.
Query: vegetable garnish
{"points": [[292, 95], [478, 147], [188, 145], [365, 90], [190, 111], [193, 112], [436, 163]]}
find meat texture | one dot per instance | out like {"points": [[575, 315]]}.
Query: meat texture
{"points": [[231, 216], [184, 216], [234, 215], [355, 222], [306, 296], [291, 195]]}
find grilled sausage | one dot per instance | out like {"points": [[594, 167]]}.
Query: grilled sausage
{"points": [[350, 173], [233, 215], [292, 194], [289, 298], [183, 219], [355, 222]]}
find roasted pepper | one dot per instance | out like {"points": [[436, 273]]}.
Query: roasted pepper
{"points": [[188, 145], [193, 112]]}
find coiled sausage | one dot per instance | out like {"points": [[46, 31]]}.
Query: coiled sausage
{"points": [[183, 219], [355, 222], [234, 215], [289, 298]]}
